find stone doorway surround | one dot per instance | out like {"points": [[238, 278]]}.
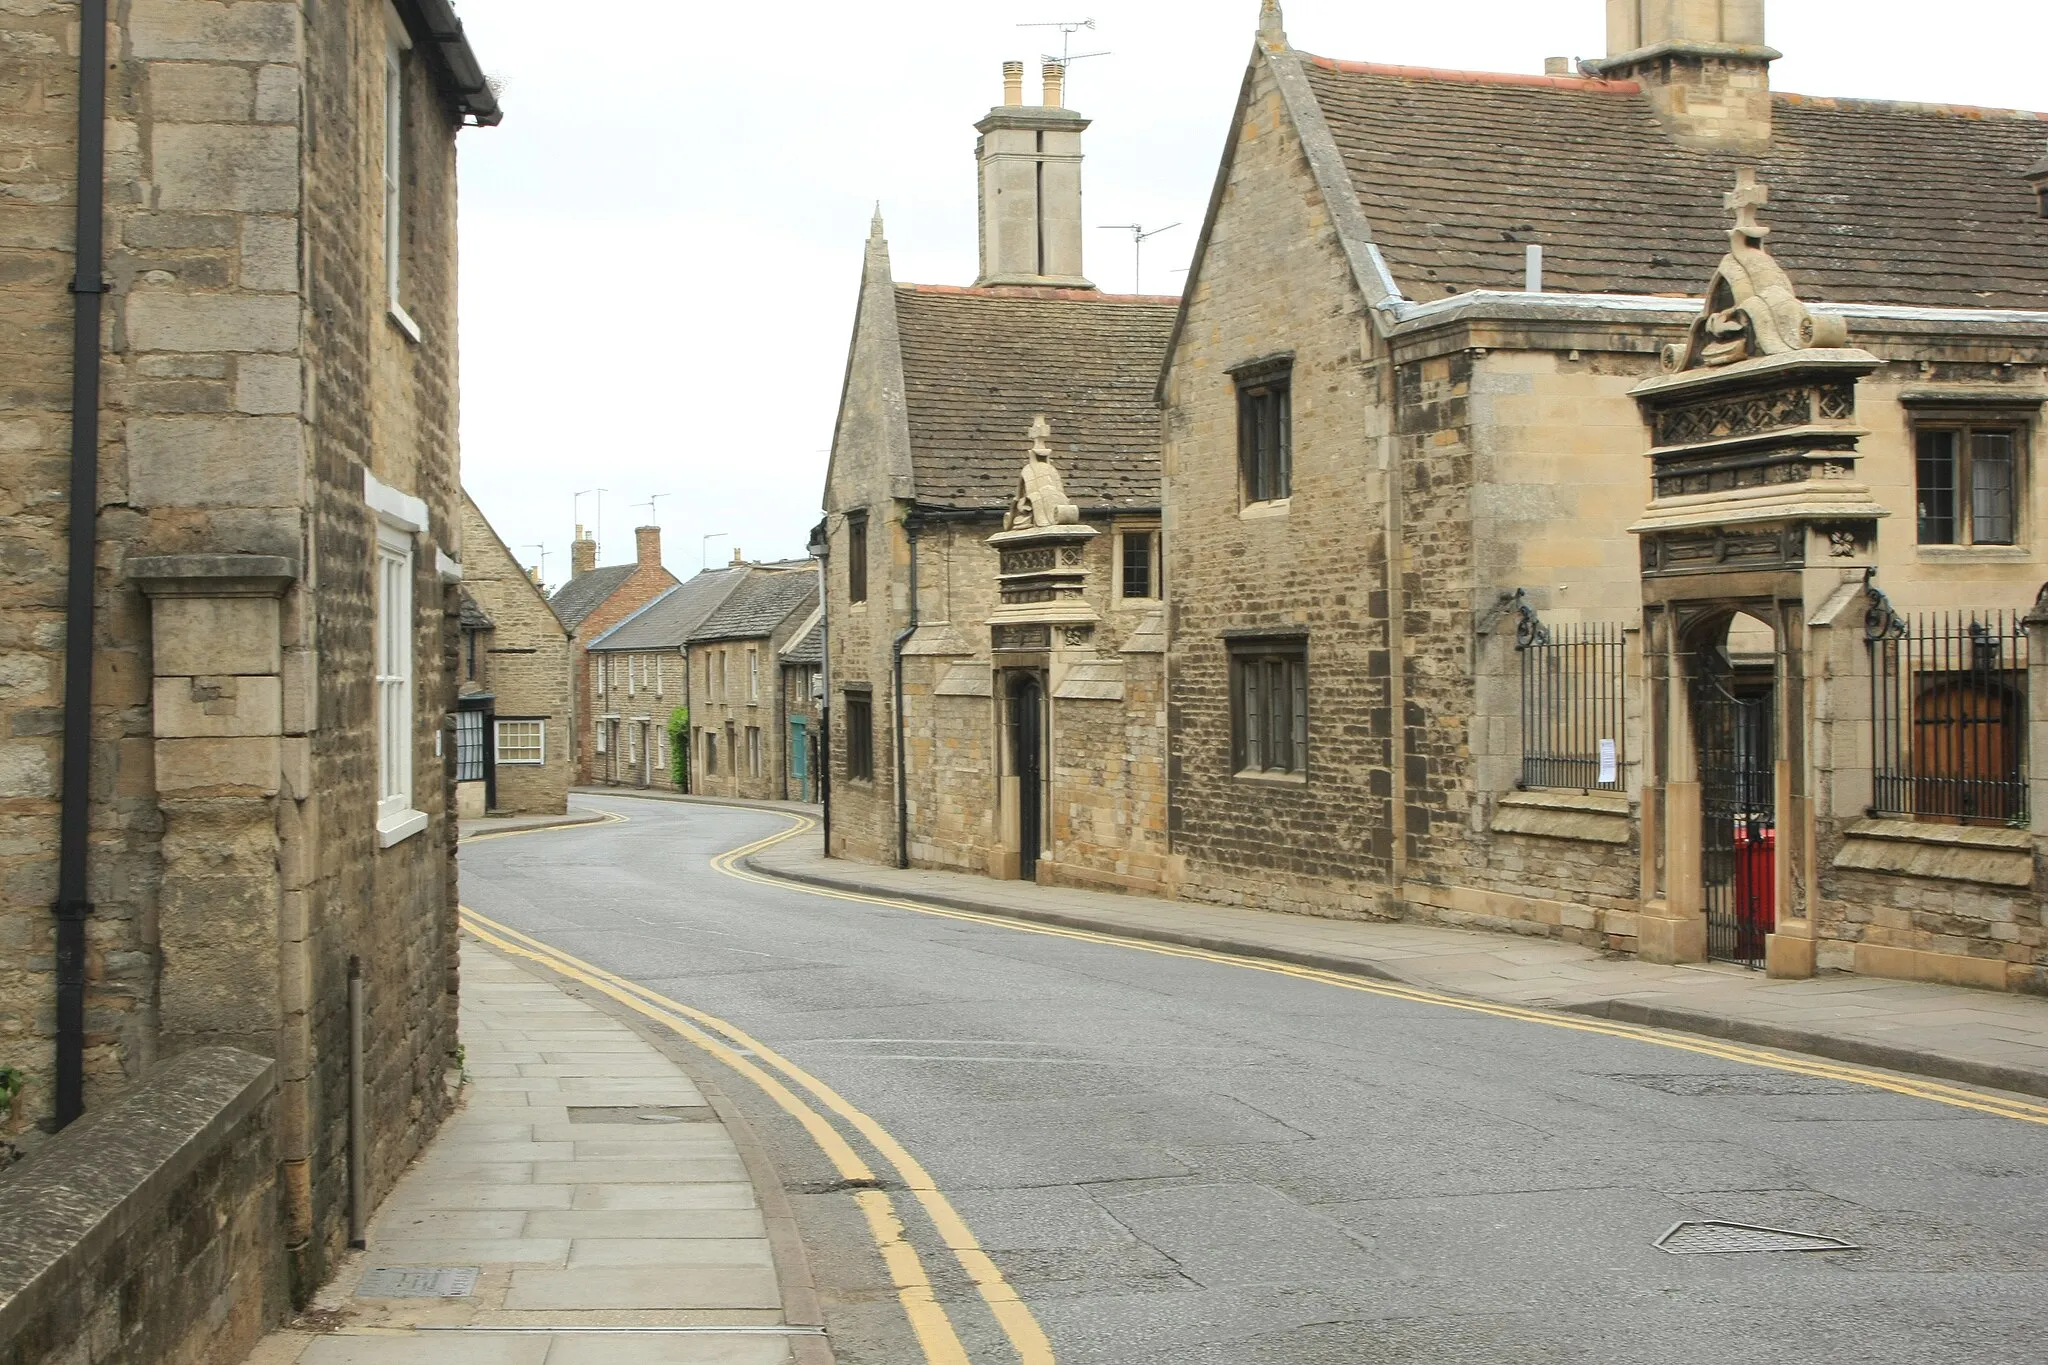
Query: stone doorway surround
{"points": [[1756, 509]]}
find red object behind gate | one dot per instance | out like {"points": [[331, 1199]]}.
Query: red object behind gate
{"points": [[1756, 881]]}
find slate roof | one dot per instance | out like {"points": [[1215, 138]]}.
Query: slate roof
{"points": [[810, 649], [586, 592], [980, 364], [763, 602], [1871, 201], [473, 616], [666, 622]]}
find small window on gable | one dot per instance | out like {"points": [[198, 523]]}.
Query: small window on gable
{"points": [[1265, 430], [856, 556]]}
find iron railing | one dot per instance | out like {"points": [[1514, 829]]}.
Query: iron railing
{"points": [[1574, 715], [1949, 715]]}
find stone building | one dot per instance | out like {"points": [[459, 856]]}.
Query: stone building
{"points": [[803, 696], [1516, 583], [591, 603], [741, 735], [980, 717], [514, 745], [228, 604], [639, 681]]}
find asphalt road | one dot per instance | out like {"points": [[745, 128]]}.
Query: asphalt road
{"points": [[1184, 1161]]}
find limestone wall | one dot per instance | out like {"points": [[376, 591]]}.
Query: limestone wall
{"points": [[525, 666]]}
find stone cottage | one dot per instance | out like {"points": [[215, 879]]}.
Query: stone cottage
{"points": [[228, 602], [592, 602], [997, 684], [803, 695], [742, 733], [514, 744], [640, 685], [1604, 504]]}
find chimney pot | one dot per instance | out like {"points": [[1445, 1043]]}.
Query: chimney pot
{"points": [[736, 559], [647, 546], [1055, 85], [1557, 66], [1013, 83]]}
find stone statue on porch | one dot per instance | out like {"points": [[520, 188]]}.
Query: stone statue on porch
{"points": [[1752, 310], [1041, 495]]}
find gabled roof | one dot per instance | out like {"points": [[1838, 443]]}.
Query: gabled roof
{"points": [[1870, 202], [980, 364], [586, 592], [809, 647], [473, 616], [666, 622], [764, 601]]}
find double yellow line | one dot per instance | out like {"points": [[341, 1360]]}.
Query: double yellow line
{"points": [[1983, 1102], [769, 1070]]}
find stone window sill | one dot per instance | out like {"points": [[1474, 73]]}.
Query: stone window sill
{"points": [[1973, 554], [1253, 511], [396, 829], [1277, 779], [1960, 853]]}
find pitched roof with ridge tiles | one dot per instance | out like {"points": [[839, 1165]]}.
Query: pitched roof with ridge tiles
{"points": [[666, 622], [586, 592], [762, 603], [980, 364], [1870, 201]]}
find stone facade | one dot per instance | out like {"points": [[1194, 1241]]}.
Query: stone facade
{"points": [[803, 696], [1471, 467], [271, 412], [520, 663], [592, 602], [738, 711]]}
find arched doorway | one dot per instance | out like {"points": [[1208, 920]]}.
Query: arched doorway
{"points": [[1027, 748], [1733, 685]]}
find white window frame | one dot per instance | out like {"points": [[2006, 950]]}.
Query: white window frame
{"points": [[753, 751], [400, 518], [397, 42], [754, 679], [540, 745], [597, 734], [660, 670]]}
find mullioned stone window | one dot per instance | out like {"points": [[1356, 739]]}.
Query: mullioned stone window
{"points": [[1265, 428], [1269, 706]]}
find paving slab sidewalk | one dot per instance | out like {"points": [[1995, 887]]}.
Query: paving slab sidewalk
{"points": [[581, 1217], [1952, 1032], [509, 824]]}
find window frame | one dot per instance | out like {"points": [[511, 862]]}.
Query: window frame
{"points": [[860, 738], [754, 764], [753, 676], [856, 558], [539, 746], [1261, 668], [1155, 562], [1965, 427], [1265, 397], [397, 49]]}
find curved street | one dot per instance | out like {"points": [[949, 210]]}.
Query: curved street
{"points": [[1176, 1159]]}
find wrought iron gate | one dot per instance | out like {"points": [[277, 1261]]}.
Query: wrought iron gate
{"points": [[1027, 739], [1738, 796]]}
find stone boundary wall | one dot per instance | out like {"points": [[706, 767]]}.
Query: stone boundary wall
{"points": [[148, 1231]]}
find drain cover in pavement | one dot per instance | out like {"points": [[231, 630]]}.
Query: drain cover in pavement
{"points": [[1717, 1238], [640, 1113], [430, 1282]]}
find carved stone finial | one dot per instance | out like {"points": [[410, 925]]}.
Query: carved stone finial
{"points": [[1752, 310], [1272, 30], [1041, 494]]}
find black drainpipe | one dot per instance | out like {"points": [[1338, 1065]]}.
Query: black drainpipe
{"points": [[74, 821], [912, 523]]}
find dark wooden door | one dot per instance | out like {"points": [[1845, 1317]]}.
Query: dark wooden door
{"points": [[1027, 746]]}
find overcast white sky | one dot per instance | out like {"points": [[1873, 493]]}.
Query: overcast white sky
{"points": [[661, 245]]}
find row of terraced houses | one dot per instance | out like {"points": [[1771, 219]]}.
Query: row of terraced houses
{"points": [[1600, 503]]}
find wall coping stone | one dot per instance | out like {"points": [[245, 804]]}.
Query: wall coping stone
{"points": [[103, 1180], [1962, 853], [212, 575], [1591, 817]]}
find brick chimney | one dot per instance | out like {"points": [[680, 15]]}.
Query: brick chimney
{"points": [[1703, 64], [647, 546], [1030, 161], [582, 554]]}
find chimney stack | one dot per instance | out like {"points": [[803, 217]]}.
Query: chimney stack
{"points": [[647, 546], [1030, 162], [737, 558], [1703, 64], [582, 554]]}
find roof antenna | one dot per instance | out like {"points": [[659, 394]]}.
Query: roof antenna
{"points": [[1068, 28], [576, 509], [541, 549], [652, 518], [1138, 239]]}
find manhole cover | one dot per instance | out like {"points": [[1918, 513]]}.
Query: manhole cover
{"points": [[1718, 1238], [418, 1282], [641, 1113]]}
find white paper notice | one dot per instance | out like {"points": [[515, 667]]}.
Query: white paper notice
{"points": [[1608, 772]]}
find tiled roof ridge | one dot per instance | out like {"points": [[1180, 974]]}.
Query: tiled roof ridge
{"points": [[1880, 106], [1436, 73], [1034, 291]]}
